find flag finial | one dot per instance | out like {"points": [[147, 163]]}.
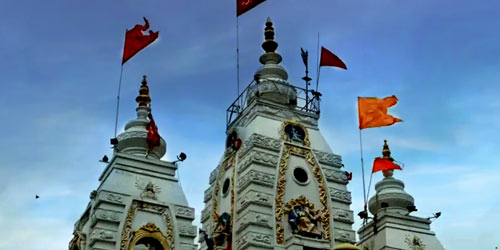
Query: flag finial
{"points": [[143, 98]]}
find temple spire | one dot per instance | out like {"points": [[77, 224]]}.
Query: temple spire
{"points": [[269, 45], [143, 98]]}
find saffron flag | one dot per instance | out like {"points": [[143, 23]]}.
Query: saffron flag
{"points": [[373, 112], [243, 6], [153, 137], [384, 164], [135, 40], [330, 59]]}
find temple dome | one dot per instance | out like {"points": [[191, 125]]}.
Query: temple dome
{"points": [[390, 191]]}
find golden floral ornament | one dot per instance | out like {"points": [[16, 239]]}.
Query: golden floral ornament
{"points": [[293, 131], [150, 230]]}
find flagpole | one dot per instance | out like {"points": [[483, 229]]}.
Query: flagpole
{"points": [[237, 60], [317, 64], [118, 100], [362, 168], [369, 185]]}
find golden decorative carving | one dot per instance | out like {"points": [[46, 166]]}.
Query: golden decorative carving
{"points": [[75, 243], [227, 163], [305, 217], [280, 189], [284, 136], [143, 98], [127, 227], [126, 233], [280, 234], [149, 230]]}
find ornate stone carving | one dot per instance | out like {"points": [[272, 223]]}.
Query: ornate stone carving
{"points": [[258, 157], [132, 134], [343, 215], [260, 141], [107, 215], [340, 195], [336, 176], [150, 190], [254, 197], [115, 198], [205, 213], [258, 240], [329, 159], [279, 209], [255, 177], [213, 175], [187, 230], [414, 242], [185, 212], [344, 235], [253, 218], [208, 194]]}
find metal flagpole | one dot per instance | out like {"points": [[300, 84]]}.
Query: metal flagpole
{"points": [[118, 100], [317, 64], [362, 168], [238, 61]]}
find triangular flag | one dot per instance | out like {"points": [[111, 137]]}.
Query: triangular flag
{"points": [[373, 112], [135, 40], [384, 164], [330, 59]]}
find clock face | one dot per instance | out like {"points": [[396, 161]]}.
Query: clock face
{"points": [[295, 133]]}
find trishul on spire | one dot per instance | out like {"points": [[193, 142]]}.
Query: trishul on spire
{"points": [[143, 98]]}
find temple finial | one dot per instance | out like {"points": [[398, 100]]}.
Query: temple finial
{"points": [[143, 98], [386, 152], [269, 44]]}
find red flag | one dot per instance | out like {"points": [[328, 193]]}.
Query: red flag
{"points": [[372, 112], [135, 40], [153, 137], [330, 59], [243, 6], [348, 175], [384, 164]]}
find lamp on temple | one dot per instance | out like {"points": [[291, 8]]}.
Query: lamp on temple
{"points": [[181, 157], [434, 216], [113, 141]]}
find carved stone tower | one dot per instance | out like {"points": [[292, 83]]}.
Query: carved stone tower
{"points": [[392, 226], [139, 203], [278, 184]]}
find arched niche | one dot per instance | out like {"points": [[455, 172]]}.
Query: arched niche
{"points": [[149, 237]]}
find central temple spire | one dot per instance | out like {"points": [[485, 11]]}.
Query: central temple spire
{"points": [[271, 59]]}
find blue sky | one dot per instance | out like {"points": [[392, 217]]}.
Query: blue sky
{"points": [[60, 65]]}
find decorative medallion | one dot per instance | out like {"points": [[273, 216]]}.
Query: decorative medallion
{"points": [[414, 242], [293, 131]]}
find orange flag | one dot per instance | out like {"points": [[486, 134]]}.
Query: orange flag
{"points": [[373, 112], [384, 164], [135, 40]]}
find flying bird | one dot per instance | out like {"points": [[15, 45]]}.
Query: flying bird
{"points": [[36, 196]]}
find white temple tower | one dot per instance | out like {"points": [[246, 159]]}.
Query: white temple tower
{"points": [[392, 227], [278, 184], [139, 203]]}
